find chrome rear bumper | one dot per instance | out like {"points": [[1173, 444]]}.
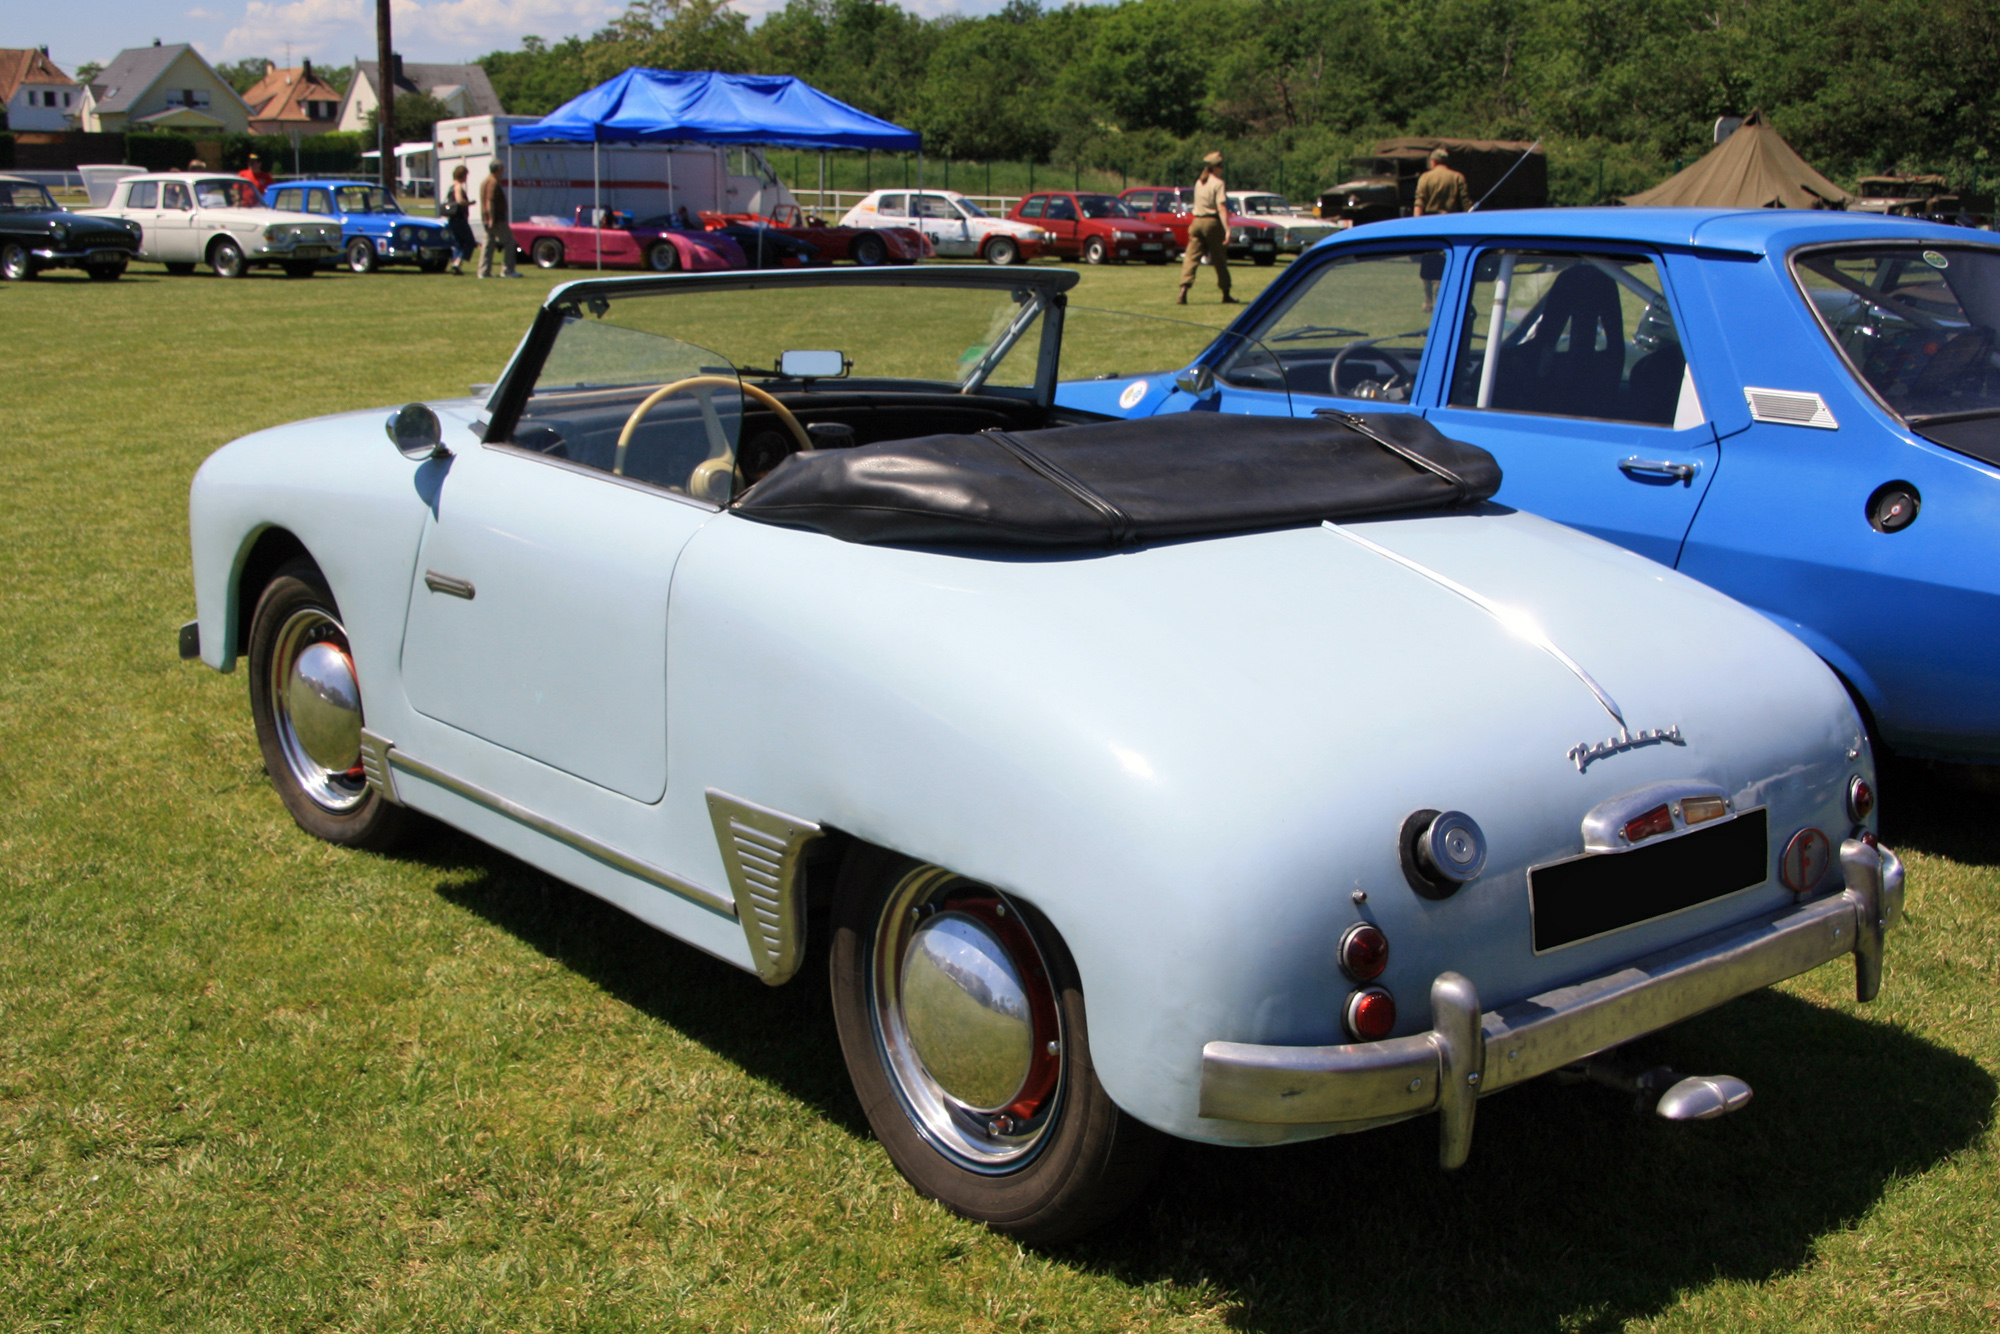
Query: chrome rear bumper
{"points": [[1468, 1054]]}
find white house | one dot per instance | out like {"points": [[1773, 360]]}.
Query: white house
{"points": [[37, 95], [464, 89], [163, 88]]}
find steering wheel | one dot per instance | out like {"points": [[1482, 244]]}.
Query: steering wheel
{"points": [[1402, 371], [721, 463]]}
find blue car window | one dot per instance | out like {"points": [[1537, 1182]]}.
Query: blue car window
{"points": [[1355, 329], [286, 201], [1570, 335], [1916, 323]]}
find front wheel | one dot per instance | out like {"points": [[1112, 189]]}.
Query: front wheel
{"points": [[226, 258], [1001, 250], [663, 257], [16, 264], [868, 251], [305, 699], [548, 253], [360, 255], [961, 1019], [1094, 251]]}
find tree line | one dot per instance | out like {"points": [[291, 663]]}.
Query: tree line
{"points": [[1620, 91]]}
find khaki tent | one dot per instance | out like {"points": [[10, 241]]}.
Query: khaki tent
{"points": [[1752, 168]]}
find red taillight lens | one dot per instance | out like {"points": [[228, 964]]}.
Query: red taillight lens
{"points": [[1659, 820], [1364, 952], [1860, 799], [1371, 1014]]}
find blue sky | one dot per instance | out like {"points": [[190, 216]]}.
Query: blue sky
{"points": [[331, 31]]}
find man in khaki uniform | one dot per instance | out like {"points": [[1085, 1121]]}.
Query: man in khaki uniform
{"points": [[494, 218], [1439, 190], [1208, 234]]}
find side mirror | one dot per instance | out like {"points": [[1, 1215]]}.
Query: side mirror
{"points": [[1200, 382], [416, 431]]}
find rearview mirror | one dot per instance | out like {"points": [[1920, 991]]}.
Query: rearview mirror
{"points": [[812, 365], [417, 432]]}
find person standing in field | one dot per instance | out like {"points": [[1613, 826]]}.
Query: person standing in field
{"points": [[1208, 234], [493, 217], [257, 176], [1439, 190], [457, 211]]}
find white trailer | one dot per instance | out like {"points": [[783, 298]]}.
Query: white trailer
{"points": [[645, 180]]}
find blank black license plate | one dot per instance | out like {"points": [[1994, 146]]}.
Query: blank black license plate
{"points": [[1588, 896]]}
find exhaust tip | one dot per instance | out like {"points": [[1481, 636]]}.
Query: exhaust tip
{"points": [[1703, 1098]]}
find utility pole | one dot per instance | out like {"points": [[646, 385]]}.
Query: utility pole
{"points": [[385, 110]]}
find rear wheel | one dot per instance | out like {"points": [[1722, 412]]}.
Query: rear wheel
{"points": [[226, 258], [548, 253], [962, 1022], [361, 255], [305, 699], [1002, 250], [868, 251], [663, 257], [16, 264], [1094, 251]]}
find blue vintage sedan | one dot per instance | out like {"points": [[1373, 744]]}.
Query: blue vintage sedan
{"points": [[1800, 409], [1124, 794], [374, 229]]}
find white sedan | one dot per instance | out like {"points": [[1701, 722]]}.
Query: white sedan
{"points": [[956, 226], [188, 218], [1296, 230]]}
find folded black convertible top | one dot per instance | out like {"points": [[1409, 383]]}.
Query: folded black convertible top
{"points": [[1184, 475]]}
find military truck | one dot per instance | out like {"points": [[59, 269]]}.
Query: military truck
{"points": [[1921, 196], [1384, 184]]}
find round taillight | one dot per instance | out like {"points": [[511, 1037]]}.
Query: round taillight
{"points": [[1370, 1014], [1806, 860], [1364, 952], [1860, 799]]}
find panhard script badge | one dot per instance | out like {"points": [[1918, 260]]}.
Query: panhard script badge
{"points": [[1583, 752], [1134, 392]]}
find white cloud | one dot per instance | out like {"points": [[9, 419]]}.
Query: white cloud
{"points": [[204, 15], [310, 26], [475, 26]]}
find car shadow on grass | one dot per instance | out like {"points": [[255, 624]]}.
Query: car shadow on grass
{"points": [[1942, 809], [1574, 1211]]}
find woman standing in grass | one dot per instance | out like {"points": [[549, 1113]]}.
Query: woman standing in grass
{"points": [[457, 212]]}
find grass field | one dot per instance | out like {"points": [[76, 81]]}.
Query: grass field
{"points": [[248, 1082]]}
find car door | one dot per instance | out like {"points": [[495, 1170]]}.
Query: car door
{"points": [[142, 205], [1568, 366], [1061, 222], [174, 222], [948, 230]]}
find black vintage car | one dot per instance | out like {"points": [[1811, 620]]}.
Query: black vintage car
{"points": [[36, 234]]}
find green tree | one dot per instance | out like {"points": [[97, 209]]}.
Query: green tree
{"points": [[539, 78], [416, 116], [669, 34], [242, 75]]}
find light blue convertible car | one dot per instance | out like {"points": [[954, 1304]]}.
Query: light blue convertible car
{"points": [[1800, 409], [1244, 780]]}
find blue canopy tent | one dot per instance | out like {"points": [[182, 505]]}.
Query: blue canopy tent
{"points": [[703, 106]]}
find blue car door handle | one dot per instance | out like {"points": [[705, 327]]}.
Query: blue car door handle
{"points": [[1681, 472]]}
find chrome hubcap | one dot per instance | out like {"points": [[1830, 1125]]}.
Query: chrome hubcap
{"points": [[317, 702], [966, 1020]]}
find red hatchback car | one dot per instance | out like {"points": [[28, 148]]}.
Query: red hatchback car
{"points": [[1095, 228], [1250, 238]]}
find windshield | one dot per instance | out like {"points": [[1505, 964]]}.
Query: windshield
{"points": [[1918, 324], [972, 210], [1262, 204], [25, 196], [1103, 206], [364, 199], [226, 192]]}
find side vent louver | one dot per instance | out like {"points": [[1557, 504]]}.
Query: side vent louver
{"points": [[375, 770], [762, 850], [1790, 408]]}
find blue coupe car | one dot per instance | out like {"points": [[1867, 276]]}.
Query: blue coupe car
{"points": [[1800, 409], [374, 229]]}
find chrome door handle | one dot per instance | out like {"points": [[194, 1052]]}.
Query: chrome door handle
{"points": [[1680, 472], [448, 585]]}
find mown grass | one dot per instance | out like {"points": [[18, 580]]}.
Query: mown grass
{"points": [[248, 1082]]}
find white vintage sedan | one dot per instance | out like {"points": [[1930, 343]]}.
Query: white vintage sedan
{"points": [[188, 219], [957, 227], [1243, 779]]}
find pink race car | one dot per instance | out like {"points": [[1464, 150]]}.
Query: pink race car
{"points": [[552, 243]]}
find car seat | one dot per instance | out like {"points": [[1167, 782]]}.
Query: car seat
{"points": [[1579, 379]]}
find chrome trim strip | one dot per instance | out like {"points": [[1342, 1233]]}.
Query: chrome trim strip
{"points": [[1517, 623], [764, 851], [449, 585], [1604, 824], [375, 766], [583, 843], [1371, 1081]]}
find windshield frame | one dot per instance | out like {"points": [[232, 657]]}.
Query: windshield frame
{"points": [[517, 382], [1914, 244], [48, 204]]}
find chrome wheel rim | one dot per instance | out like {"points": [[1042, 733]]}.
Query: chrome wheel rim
{"points": [[14, 260], [316, 706], [966, 1020]]}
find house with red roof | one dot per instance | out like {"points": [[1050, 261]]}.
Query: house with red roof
{"points": [[37, 95]]}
